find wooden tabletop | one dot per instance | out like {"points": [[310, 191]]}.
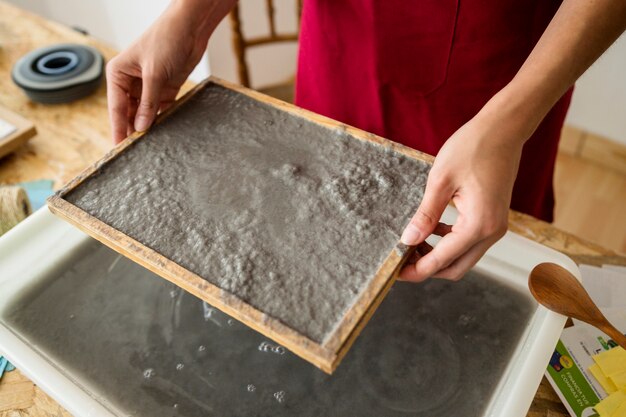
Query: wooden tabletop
{"points": [[72, 136]]}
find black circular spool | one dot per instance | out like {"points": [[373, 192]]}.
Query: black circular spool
{"points": [[59, 73]]}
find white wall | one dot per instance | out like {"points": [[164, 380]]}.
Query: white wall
{"points": [[599, 104], [116, 22]]}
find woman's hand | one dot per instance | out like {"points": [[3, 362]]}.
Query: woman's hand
{"points": [[145, 78], [476, 169]]}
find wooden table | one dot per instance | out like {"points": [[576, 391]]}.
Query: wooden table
{"points": [[72, 136]]}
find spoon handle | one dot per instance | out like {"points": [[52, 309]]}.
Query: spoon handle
{"points": [[614, 334]]}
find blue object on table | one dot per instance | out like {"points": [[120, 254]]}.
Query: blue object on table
{"points": [[5, 366], [37, 192]]}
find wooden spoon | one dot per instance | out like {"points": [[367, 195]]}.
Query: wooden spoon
{"points": [[557, 289]]}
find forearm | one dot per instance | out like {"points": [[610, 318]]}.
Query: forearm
{"points": [[203, 15], [579, 33]]}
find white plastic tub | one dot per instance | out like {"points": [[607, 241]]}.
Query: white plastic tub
{"points": [[33, 247]]}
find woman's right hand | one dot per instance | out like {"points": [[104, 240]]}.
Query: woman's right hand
{"points": [[145, 78]]}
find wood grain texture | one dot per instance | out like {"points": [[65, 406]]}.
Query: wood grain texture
{"points": [[326, 355], [605, 152], [546, 403], [16, 392], [25, 399], [590, 201], [25, 130], [571, 141]]}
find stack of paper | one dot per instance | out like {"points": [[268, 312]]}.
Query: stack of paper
{"points": [[609, 370], [586, 365]]}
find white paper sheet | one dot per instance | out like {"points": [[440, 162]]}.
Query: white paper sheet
{"points": [[6, 128]]}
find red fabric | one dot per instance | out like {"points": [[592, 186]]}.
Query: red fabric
{"points": [[415, 71]]}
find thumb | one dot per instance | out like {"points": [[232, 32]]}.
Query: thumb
{"points": [[149, 103], [426, 219]]}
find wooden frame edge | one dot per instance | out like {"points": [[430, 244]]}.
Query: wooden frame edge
{"points": [[126, 143], [223, 300], [344, 335], [399, 257], [326, 355], [351, 324]]}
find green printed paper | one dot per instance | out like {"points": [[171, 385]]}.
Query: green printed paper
{"points": [[572, 384]]}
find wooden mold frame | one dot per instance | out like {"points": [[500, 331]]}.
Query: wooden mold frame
{"points": [[325, 356]]}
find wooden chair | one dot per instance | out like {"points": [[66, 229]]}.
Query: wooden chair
{"points": [[283, 91]]}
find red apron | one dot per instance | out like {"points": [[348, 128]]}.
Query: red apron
{"points": [[415, 71]]}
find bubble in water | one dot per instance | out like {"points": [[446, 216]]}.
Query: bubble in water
{"points": [[180, 366], [201, 348], [148, 373], [175, 405], [268, 347], [251, 388], [173, 293], [72, 316], [230, 322], [208, 310], [465, 320], [280, 396]]}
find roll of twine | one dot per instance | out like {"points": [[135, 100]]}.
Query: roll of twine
{"points": [[14, 207]]}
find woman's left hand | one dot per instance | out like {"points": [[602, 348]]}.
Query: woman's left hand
{"points": [[476, 168]]}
